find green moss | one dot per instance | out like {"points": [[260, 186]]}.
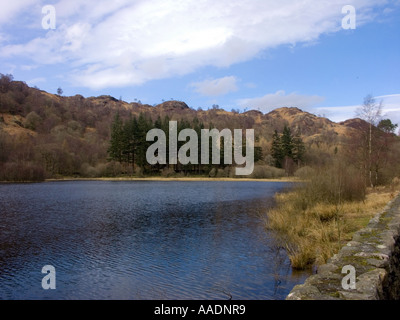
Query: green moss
{"points": [[385, 221], [335, 294], [355, 261]]}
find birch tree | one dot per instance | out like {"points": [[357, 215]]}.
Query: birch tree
{"points": [[371, 112]]}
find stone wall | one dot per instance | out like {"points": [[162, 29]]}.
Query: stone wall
{"points": [[374, 252]]}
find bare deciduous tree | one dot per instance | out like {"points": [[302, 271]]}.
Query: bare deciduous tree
{"points": [[371, 112]]}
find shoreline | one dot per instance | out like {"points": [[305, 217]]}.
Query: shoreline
{"points": [[183, 179]]}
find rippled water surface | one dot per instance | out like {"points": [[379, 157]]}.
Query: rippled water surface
{"points": [[141, 240]]}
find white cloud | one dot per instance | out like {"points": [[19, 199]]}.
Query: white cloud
{"points": [[3, 37], [216, 87], [28, 67], [36, 81], [391, 109], [337, 114], [119, 43], [10, 9], [280, 99]]}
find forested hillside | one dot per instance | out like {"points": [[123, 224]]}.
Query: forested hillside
{"points": [[43, 135]]}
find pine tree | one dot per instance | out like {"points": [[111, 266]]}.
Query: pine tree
{"points": [[287, 149], [116, 149], [165, 128], [143, 126], [130, 142], [198, 126], [387, 126], [287, 143], [258, 154], [276, 149], [298, 150], [158, 123]]}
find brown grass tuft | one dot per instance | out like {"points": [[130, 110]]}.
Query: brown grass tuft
{"points": [[314, 221]]}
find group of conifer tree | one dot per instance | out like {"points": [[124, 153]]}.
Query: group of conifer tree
{"points": [[128, 144], [287, 149]]}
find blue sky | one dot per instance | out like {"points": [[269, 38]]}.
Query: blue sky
{"points": [[239, 54]]}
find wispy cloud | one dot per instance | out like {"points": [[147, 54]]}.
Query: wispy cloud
{"points": [[36, 81], [391, 107], [120, 43], [280, 99], [337, 114], [11, 9], [216, 87], [390, 103]]}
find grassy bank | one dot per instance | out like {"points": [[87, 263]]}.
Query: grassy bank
{"points": [[115, 171], [286, 179], [315, 220]]}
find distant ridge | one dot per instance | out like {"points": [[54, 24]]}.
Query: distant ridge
{"points": [[19, 98], [71, 135]]}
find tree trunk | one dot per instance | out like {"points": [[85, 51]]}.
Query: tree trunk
{"points": [[370, 155]]}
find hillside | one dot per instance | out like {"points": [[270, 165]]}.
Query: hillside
{"points": [[53, 135]]}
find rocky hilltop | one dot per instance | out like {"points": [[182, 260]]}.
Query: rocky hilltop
{"points": [[67, 133]]}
